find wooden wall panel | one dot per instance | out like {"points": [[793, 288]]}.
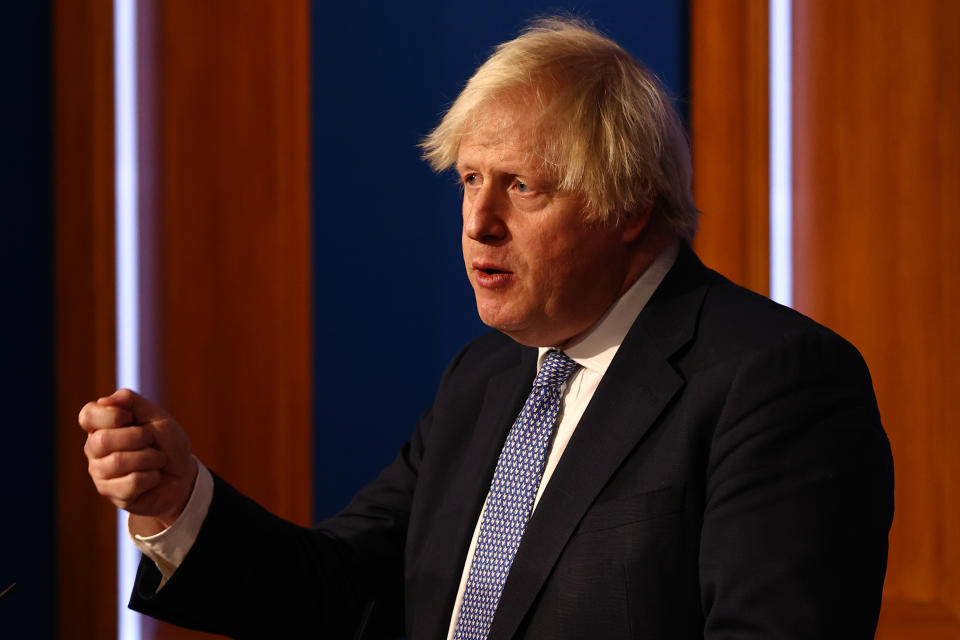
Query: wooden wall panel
{"points": [[233, 242], [85, 355], [877, 182], [729, 130]]}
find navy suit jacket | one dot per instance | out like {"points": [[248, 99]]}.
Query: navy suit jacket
{"points": [[729, 479]]}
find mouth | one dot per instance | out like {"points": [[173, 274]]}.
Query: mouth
{"points": [[491, 276]]}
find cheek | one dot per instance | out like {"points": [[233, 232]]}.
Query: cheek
{"points": [[464, 244], [580, 265], [555, 271]]}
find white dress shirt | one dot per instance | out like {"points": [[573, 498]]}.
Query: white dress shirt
{"points": [[593, 353]]}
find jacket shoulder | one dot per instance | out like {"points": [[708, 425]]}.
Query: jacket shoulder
{"points": [[739, 320], [487, 354]]}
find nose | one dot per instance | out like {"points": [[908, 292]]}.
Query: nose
{"points": [[483, 216]]}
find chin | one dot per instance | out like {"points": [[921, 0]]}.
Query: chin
{"points": [[518, 326], [494, 315], [501, 324], [522, 334], [496, 323]]}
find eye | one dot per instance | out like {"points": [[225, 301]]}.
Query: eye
{"points": [[521, 186], [471, 179]]}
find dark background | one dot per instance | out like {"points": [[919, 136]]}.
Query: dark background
{"points": [[27, 510]]}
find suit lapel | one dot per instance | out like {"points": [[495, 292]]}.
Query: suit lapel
{"points": [[638, 385]]}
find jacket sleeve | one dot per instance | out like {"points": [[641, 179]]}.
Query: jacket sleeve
{"points": [[251, 574]]}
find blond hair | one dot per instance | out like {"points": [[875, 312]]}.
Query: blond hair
{"points": [[606, 125]]}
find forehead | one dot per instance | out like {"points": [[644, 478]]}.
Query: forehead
{"points": [[505, 131]]}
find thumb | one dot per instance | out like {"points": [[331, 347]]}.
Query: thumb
{"points": [[143, 410]]}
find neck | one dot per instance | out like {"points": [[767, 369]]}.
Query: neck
{"points": [[644, 250]]}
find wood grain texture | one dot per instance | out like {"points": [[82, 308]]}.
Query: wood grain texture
{"points": [[729, 130], [877, 182], [902, 619], [233, 340], [85, 353]]}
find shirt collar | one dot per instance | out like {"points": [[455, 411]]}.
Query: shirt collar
{"points": [[596, 349]]}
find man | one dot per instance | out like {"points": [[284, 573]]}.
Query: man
{"points": [[692, 461]]}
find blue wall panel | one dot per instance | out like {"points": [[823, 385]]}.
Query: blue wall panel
{"points": [[391, 300]]}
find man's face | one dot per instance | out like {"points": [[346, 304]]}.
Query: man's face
{"points": [[540, 274]]}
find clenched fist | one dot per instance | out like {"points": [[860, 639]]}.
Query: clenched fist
{"points": [[139, 458]]}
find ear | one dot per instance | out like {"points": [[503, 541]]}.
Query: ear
{"points": [[633, 223]]}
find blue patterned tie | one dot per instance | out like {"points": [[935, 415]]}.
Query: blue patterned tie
{"points": [[511, 497]]}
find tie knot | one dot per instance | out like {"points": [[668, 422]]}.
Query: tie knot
{"points": [[555, 370]]}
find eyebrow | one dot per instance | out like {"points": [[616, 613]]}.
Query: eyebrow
{"points": [[508, 169]]}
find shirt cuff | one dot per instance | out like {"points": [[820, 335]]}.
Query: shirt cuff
{"points": [[168, 548]]}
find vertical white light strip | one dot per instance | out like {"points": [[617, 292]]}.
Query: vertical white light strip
{"points": [[127, 271], [781, 153]]}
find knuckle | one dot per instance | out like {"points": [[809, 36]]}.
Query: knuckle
{"points": [[104, 490], [97, 470], [83, 418], [141, 481], [96, 445], [116, 463], [120, 491], [103, 441], [137, 482], [102, 468], [111, 417]]}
